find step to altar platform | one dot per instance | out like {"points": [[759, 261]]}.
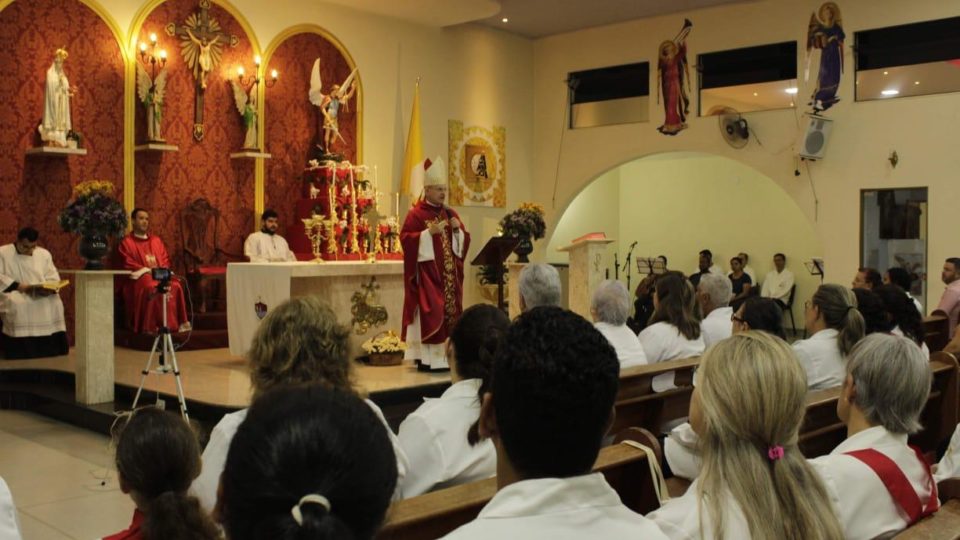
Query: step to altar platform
{"points": [[209, 332]]}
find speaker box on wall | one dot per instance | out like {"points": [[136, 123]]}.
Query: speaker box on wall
{"points": [[813, 143]]}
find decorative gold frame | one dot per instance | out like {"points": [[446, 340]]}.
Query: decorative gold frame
{"points": [[470, 140]]}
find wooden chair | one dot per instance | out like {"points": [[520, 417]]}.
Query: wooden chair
{"points": [[435, 514], [203, 259], [936, 329], [637, 405]]}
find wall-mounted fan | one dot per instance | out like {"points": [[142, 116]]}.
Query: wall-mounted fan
{"points": [[733, 128]]}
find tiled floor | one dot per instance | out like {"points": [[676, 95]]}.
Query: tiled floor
{"points": [[62, 479], [215, 376]]}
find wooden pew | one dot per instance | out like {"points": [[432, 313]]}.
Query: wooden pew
{"points": [[936, 329], [637, 405], [435, 514], [945, 524], [822, 431]]}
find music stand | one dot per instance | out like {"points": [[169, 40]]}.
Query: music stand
{"points": [[650, 265], [495, 253], [815, 267]]}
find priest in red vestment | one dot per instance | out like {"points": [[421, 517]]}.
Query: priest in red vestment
{"points": [[434, 245], [140, 252]]}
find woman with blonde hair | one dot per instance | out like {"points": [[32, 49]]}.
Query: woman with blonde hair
{"points": [[835, 326], [754, 483], [299, 341]]}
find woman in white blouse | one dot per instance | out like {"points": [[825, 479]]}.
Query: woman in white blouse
{"points": [[674, 328], [299, 341], [610, 308], [747, 408], [435, 436], [878, 484], [834, 326]]}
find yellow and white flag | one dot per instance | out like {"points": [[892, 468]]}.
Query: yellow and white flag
{"points": [[411, 183]]}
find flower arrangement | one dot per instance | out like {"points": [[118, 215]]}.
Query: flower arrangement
{"points": [[93, 211], [526, 221], [384, 343]]}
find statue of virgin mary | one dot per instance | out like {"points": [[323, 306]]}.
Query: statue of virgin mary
{"points": [[56, 104]]}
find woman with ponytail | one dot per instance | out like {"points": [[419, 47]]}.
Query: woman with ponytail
{"points": [[309, 462], [435, 436], [754, 483], [835, 326], [157, 457]]}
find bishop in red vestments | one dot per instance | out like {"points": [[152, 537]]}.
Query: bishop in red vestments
{"points": [[140, 252], [434, 245]]}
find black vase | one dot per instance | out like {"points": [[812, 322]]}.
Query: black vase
{"points": [[93, 248], [524, 248]]}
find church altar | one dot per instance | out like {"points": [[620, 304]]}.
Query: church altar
{"points": [[350, 287]]}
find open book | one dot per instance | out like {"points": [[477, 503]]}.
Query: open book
{"points": [[54, 286]]}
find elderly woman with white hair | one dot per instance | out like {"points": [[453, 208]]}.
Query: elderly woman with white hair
{"points": [[713, 293], [610, 308], [878, 484], [539, 286]]}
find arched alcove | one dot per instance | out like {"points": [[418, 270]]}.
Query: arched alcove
{"points": [[677, 203]]}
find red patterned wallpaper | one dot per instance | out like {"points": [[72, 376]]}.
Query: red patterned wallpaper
{"points": [[167, 182], [291, 120], [33, 190]]}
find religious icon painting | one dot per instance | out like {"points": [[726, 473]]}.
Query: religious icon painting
{"points": [[825, 34], [673, 81], [477, 165]]}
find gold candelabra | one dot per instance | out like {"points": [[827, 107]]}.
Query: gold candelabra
{"points": [[315, 226]]}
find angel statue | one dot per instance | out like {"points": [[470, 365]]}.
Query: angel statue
{"points": [[151, 93], [674, 81], [826, 33], [330, 104], [247, 106], [56, 103], [204, 54]]}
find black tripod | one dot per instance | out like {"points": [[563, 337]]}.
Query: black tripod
{"points": [[163, 347]]}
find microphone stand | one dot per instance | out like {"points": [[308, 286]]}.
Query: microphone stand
{"points": [[627, 264], [616, 266]]}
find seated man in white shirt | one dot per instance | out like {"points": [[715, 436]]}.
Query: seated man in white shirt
{"points": [[267, 245], [539, 285], [550, 404], [714, 293], [779, 282], [878, 484], [609, 309]]}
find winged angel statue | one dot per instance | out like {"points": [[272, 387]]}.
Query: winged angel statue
{"points": [[151, 92], [247, 106], [330, 104]]}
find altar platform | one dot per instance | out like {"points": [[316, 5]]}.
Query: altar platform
{"points": [[214, 383]]}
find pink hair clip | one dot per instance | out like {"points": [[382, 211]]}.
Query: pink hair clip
{"points": [[775, 452]]}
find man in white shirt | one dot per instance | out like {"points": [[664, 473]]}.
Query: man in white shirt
{"points": [[949, 305], [32, 315], [779, 282], [747, 269], [875, 480], [267, 245], [714, 293], [549, 406]]}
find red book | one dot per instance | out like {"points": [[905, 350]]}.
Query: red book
{"points": [[591, 236]]}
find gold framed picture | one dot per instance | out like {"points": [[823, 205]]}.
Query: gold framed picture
{"points": [[477, 165]]}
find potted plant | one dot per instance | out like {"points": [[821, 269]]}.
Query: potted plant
{"points": [[95, 215], [525, 223], [385, 349]]}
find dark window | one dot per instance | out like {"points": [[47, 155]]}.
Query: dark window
{"points": [[749, 79], [609, 95]]}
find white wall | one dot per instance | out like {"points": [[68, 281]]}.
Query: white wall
{"points": [[923, 130], [596, 209]]}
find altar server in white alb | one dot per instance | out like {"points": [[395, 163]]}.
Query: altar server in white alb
{"points": [[878, 484], [32, 315], [267, 245]]}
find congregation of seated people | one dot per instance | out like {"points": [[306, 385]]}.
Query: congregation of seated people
{"points": [[531, 402]]}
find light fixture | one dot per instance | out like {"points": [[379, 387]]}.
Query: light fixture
{"points": [[791, 90], [886, 72], [916, 82], [505, 19], [890, 92], [755, 94]]}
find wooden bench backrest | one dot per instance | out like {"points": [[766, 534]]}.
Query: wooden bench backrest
{"points": [[822, 431], [435, 514], [936, 330], [944, 525], [637, 405]]}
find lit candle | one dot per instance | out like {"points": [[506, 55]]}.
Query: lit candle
{"points": [[143, 47], [256, 60], [274, 74], [398, 206], [240, 71], [153, 38], [163, 55]]}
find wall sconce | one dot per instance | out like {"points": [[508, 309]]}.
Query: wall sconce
{"points": [[256, 78], [894, 159], [149, 55]]}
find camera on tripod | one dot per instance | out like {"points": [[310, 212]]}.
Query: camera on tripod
{"points": [[162, 276]]}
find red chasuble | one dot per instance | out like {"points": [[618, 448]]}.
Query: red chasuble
{"points": [[142, 305], [436, 287]]}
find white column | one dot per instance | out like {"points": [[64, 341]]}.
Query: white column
{"points": [[513, 288], [94, 335]]}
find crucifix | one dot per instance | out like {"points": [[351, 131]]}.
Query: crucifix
{"points": [[201, 45]]}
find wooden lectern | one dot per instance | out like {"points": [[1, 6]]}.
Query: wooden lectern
{"points": [[495, 252], [586, 272]]}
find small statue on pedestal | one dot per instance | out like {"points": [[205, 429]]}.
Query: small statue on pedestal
{"points": [[247, 107], [56, 104], [151, 93]]}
